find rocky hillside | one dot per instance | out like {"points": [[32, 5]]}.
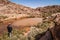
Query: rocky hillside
{"points": [[6, 6], [4, 2], [49, 9], [10, 8]]}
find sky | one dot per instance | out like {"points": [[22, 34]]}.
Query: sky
{"points": [[36, 3]]}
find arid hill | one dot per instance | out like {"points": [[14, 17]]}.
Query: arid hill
{"points": [[10, 8], [49, 9], [6, 6]]}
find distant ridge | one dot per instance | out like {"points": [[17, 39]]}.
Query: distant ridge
{"points": [[49, 9]]}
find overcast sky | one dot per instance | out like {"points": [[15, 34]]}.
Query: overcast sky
{"points": [[37, 3]]}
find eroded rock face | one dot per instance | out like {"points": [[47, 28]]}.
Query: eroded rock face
{"points": [[57, 32], [56, 29], [44, 36], [47, 36]]}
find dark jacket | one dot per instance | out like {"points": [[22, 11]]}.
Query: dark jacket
{"points": [[9, 28]]}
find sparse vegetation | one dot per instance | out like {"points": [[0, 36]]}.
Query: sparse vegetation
{"points": [[44, 15], [16, 34], [3, 17]]}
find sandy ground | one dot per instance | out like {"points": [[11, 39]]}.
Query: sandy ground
{"points": [[27, 22]]}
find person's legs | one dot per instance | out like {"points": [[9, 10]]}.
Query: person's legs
{"points": [[8, 34]]}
